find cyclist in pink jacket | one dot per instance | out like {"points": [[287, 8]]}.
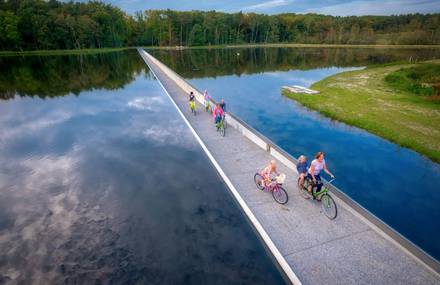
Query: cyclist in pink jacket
{"points": [[217, 114]]}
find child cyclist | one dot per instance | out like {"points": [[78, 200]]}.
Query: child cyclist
{"points": [[269, 172]]}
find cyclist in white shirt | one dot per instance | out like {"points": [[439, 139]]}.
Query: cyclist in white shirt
{"points": [[316, 166]]}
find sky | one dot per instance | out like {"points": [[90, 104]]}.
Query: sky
{"points": [[329, 7]]}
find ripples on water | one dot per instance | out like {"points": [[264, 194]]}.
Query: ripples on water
{"points": [[110, 187]]}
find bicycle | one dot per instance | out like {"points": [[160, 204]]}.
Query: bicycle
{"points": [[275, 186], [221, 127], [328, 205], [192, 106], [208, 107]]}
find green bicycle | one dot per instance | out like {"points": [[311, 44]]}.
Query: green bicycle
{"points": [[192, 106], [208, 107], [221, 127], [328, 205]]}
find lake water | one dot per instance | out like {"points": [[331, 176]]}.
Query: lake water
{"points": [[396, 184], [101, 182]]}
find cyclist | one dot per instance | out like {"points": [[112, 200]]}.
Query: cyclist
{"points": [[207, 99], [314, 171], [269, 172], [223, 105], [302, 169], [217, 115], [192, 101]]}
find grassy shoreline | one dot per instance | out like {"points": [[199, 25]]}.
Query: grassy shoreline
{"points": [[293, 45], [363, 99], [101, 50]]}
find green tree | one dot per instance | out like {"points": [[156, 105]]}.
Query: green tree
{"points": [[9, 34]]}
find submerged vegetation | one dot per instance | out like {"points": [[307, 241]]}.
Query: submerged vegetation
{"points": [[45, 25], [365, 99]]}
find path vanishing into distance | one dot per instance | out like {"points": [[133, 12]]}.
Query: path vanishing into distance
{"points": [[308, 247]]}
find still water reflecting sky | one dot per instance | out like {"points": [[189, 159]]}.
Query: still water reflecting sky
{"points": [[111, 187]]}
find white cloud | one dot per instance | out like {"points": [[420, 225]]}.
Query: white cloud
{"points": [[267, 5], [379, 7], [175, 133], [147, 103], [11, 132]]}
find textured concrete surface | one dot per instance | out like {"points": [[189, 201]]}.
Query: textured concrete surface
{"points": [[320, 251]]}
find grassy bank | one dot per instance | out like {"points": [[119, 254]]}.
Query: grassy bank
{"points": [[61, 51], [294, 45], [364, 99], [101, 50]]}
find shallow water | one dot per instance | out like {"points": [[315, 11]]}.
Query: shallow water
{"points": [[396, 184], [101, 182]]}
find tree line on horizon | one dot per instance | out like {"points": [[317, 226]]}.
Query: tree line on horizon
{"points": [[40, 24]]}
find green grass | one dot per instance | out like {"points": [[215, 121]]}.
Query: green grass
{"points": [[101, 50], [364, 99], [298, 45], [61, 51], [420, 80]]}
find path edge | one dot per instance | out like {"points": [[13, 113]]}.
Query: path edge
{"points": [[259, 228]]}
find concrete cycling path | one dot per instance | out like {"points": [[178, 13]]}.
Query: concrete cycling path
{"points": [[319, 251]]}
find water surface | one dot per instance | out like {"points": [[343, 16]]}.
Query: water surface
{"points": [[396, 184], [101, 182]]}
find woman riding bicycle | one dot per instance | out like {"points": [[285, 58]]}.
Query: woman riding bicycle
{"points": [[217, 114], [313, 174]]}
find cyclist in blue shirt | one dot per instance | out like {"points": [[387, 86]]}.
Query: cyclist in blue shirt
{"points": [[302, 167]]}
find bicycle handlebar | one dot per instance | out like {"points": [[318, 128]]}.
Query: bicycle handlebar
{"points": [[331, 180]]}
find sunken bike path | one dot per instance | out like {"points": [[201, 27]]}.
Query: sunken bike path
{"points": [[319, 251]]}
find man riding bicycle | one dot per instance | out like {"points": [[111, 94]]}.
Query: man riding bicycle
{"points": [[223, 105]]}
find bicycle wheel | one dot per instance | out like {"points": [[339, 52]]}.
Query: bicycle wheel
{"points": [[225, 124], [328, 206], [222, 130], [303, 191], [280, 195], [258, 179]]}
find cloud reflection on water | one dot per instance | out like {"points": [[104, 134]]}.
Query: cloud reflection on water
{"points": [[102, 188]]}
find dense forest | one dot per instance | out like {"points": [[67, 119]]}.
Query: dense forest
{"points": [[40, 24]]}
